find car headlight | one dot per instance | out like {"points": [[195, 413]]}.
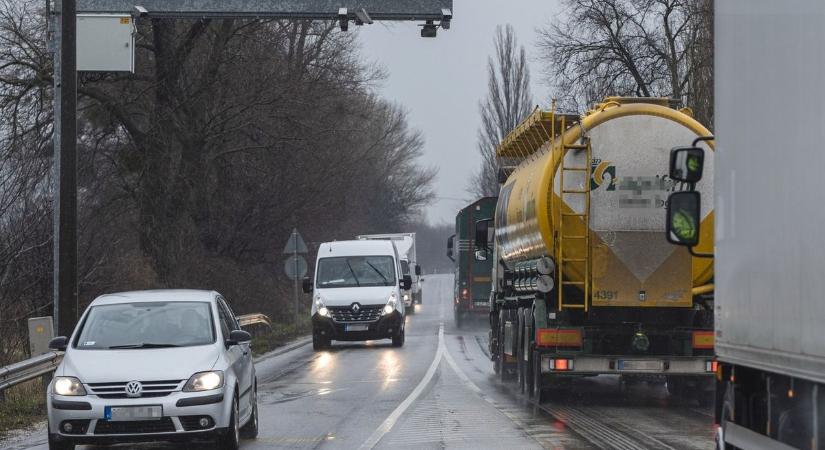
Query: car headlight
{"points": [[68, 386], [406, 297], [204, 381], [320, 307], [390, 306]]}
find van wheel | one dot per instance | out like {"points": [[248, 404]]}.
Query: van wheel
{"points": [[398, 338], [319, 342]]}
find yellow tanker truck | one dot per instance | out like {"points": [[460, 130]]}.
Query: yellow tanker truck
{"points": [[586, 283]]}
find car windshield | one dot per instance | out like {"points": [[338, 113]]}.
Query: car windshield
{"points": [[147, 325], [355, 271]]}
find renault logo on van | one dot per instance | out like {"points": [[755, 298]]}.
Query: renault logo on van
{"points": [[134, 389], [356, 307]]}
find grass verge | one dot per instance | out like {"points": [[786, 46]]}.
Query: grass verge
{"points": [[23, 405], [280, 335]]}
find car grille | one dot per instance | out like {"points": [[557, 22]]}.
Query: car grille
{"points": [[164, 425], [150, 388], [368, 313]]}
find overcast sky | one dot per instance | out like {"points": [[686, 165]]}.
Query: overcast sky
{"points": [[440, 81]]}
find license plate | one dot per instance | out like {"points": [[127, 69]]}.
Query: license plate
{"points": [[357, 327], [129, 413], [625, 364]]}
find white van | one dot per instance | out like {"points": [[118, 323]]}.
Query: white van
{"points": [[357, 293]]}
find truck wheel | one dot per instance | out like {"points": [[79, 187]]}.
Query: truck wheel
{"points": [[528, 369], [505, 372], [675, 386], [398, 338], [539, 392]]}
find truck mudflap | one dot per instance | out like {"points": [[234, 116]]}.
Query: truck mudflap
{"points": [[559, 363]]}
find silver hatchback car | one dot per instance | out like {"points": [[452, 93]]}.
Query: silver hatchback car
{"points": [[163, 365]]}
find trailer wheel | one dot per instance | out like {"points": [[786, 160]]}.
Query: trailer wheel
{"points": [[726, 416], [519, 349], [504, 372], [539, 392], [529, 348]]}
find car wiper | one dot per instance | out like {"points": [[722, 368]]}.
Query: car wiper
{"points": [[143, 345], [378, 272], [353, 274]]}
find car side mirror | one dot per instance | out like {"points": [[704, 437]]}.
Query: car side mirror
{"points": [[450, 245], [686, 164], [238, 336], [683, 216], [406, 282], [417, 270], [306, 285], [59, 343]]}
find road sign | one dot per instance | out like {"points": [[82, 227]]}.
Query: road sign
{"points": [[295, 267], [296, 243], [41, 331]]}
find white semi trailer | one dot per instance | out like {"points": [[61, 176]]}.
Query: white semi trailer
{"points": [[770, 241], [405, 245]]}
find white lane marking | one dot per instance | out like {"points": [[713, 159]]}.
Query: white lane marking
{"points": [[387, 425]]}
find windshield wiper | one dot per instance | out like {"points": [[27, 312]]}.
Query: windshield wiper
{"points": [[143, 345], [378, 272], [353, 274]]}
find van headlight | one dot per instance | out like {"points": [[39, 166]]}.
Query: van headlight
{"points": [[321, 307], [390, 306], [406, 297], [204, 381], [68, 386]]}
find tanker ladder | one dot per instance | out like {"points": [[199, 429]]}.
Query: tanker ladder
{"points": [[574, 248]]}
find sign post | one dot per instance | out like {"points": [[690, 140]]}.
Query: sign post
{"points": [[295, 266]]}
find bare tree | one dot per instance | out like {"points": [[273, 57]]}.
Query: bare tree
{"points": [[640, 48], [508, 102]]}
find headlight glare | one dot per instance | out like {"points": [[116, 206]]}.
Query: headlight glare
{"points": [[204, 381], [68, 386], [321, 307], [390, 306]]}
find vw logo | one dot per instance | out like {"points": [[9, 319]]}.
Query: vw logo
{"points": [[134, 389], [356, 307]]}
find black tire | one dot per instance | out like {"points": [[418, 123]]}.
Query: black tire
{"points": [[726, 416], [319, 341], [502, 372], [675, 386], [231, 439], [250, 430], [398, 338], [539, 392], [54, 444], [528, 316], [520, 350]]}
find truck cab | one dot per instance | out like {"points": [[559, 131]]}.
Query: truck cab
{"points": [[357, 293]]}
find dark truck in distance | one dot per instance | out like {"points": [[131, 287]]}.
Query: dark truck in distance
{"points": [[473, 269]]}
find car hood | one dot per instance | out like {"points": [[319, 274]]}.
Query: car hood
{"points": [[148, 364], [372, 295]]}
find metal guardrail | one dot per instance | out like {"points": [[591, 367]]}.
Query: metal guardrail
{"points": [[29, 369], [254, 319], [38, 366]]}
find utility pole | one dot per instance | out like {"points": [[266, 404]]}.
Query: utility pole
{"points": [[295, 281], [65, 168]]}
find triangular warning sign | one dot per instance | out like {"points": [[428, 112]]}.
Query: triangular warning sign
{"points": [[295, 244]]}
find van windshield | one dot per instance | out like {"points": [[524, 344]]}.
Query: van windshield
{"points": [[355, 271], [147, 325]]}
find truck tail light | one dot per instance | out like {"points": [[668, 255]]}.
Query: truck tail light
{"points": [[549, 364], [465, 294], [710, 366]]}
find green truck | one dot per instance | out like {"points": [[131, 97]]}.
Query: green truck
{"points": [[473, 268]]}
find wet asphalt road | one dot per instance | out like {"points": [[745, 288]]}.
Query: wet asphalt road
{"points": [[439, 391]]}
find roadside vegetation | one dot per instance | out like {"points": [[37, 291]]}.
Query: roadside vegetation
{"points": [[22, 406]]}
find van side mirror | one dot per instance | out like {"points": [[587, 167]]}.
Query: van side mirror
{"points": [[417, 270], [450, 245], [683, 217], [406, 283], [59, 343], [686, 164], [306, 285], [238, 336]]}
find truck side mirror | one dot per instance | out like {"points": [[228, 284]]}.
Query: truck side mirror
{"points": [[417, 270], [406, 282], [450, 244], [686, 164], [306, 285], [683, 216]]}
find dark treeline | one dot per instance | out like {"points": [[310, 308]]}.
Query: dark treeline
{"points": [[195, 169]]}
